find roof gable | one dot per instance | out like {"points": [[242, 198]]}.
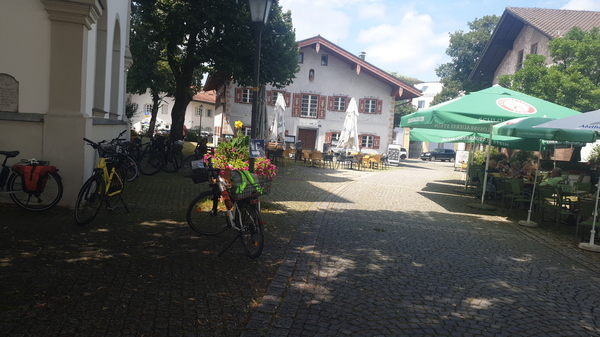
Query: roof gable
{"points": [[400, 89], [556, 22], [552, 23]]}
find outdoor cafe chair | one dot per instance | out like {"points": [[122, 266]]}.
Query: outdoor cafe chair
{"points": [[275, 155], [316, 158], [306, 155], [328, 160], [547, 200], [517, 194], [585, 218], [375, 161], [343, 160]]}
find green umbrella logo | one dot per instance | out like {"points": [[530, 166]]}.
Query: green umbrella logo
{"points": [[516, 106]]}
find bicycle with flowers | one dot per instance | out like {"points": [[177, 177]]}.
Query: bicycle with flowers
{"points": [[233, 196]]}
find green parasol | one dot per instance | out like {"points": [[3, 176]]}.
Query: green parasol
{"points": [[524, 128], [449, 136], [476, 111]]}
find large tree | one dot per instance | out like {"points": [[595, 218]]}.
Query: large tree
{"points": [[200, 36], [465, 50], [573, 80], [149, 72]]}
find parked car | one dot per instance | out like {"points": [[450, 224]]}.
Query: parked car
{"points": [[439, 154], [403, 153]]}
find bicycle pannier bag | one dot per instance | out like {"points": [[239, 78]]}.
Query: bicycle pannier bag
{"points": [[244, 184], [34, 178]]}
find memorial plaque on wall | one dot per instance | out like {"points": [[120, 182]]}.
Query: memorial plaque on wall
{"points": [[9, 93]]}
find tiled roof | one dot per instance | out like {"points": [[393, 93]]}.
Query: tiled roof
{"points": [[205, 97], [556, 22], [553, 23], [407, 91]]}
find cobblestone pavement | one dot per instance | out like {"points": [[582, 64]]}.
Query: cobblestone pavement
{"points": [[399, 253], [363, 253]]}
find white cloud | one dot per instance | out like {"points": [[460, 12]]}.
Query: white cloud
{"points": [[312, 18], [410, 48], [589, 5], [372, 11]]}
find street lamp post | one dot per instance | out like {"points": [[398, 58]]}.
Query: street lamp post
{"points": [[259, 13]]}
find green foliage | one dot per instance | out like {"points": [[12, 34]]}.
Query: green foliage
{"points": [[573, 80], [594, 155], [130, 108], [480, 156], [234, 154], [194, 37], [524, 156], [408, 80], [402, 108], [465, 50]]}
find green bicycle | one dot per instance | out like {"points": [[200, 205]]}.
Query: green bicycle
{"points": [[105, 185]]}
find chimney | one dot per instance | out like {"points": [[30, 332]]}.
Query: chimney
{"points": [[362, 55]]}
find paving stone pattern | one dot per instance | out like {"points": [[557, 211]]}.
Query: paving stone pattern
{"points": [[393, 252], [399, 253]]}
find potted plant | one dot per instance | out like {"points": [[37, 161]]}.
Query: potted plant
{"points": [[234, 154]]}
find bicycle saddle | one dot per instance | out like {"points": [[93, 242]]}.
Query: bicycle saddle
{"points": [[10, 154]]}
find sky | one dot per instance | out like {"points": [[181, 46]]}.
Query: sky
{"points": [[408, 37]]}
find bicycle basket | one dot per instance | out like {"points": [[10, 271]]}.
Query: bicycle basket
{"points": [[246, 185], [199, 172]]}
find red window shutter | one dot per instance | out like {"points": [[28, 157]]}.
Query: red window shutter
{"points": [[269, 97], [376, 141], [379, 106], [361, 105], [322, 108], [330, 101], [238, 95], [297, 105], [328, 137], [288, 98]]}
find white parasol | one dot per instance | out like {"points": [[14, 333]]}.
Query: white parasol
{"points": [[278, 126], [349, 135]]}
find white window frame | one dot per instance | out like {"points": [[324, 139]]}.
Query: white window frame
{"points": [[208, 113], [339, 103], [247, 95], [367, 141], [420, 104], [199, 111], [148, 109], [370, 106], [310, 105], [164, 109]]}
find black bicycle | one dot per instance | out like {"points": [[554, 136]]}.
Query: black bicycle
{"points": [[33, 185]]}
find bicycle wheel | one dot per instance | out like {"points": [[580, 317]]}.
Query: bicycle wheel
{"points": [[186, 165], [151, 163], [130, 169], [253, 236], [89, 200], [173, 162], [113, 196], [202, 219], [42, 201]]}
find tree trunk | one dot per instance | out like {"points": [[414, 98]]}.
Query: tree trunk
{"points": [[155, 106], [182, 99]]}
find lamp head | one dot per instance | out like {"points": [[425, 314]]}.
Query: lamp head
{"points": [[259, 11]]}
